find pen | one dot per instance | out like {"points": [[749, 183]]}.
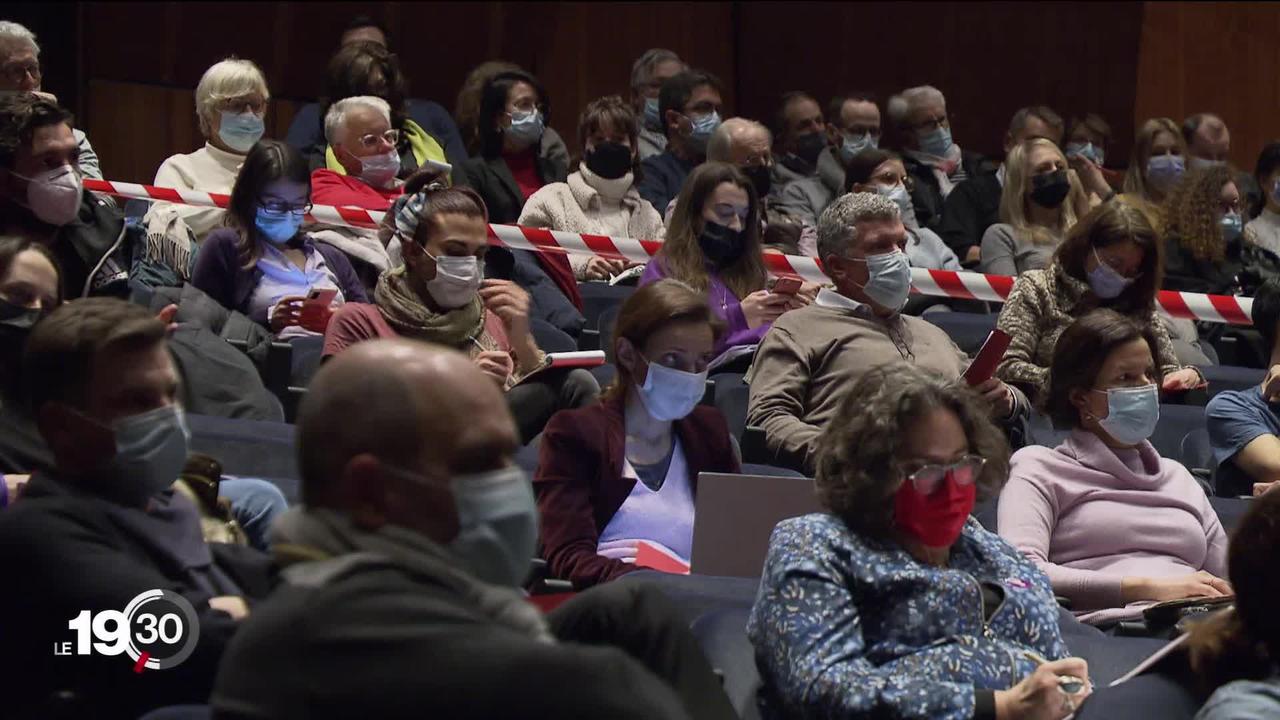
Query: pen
{"points": [[1069, 684]]}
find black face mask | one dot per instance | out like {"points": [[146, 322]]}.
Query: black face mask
{"points": [[809, 147], [761, 177], [721, 245], [609, 160], [1050, 189], [15, 325]]}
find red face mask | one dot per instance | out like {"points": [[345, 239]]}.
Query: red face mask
{"points": [[935, 519]]}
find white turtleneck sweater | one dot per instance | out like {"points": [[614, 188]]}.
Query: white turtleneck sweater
{"points": [[1266, 229], [209, 169]]}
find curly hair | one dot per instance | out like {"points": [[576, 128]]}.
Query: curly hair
{"points": [[1191, 212], [859, 453]]}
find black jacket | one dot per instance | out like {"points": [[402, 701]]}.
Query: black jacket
{"points": [[1182, 271], [927, 194], [94, 243], [62, 551], [971, 208], [497, 186]]}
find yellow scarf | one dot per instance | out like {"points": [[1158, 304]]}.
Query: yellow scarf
{"points": [[423, 146]]}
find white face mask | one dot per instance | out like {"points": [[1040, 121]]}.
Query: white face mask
{"points": [[380, 170], [54, 195], [457, 280]]}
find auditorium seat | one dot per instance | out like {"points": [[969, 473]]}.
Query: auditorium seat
{"points": [[604, 325], [1230, 510], [1176, 421], [598, 297], [250, 448], [731, 396], [1231, 377], [722, 634], [967, 330]]}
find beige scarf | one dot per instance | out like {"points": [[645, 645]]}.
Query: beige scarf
{"points": [[405, 312]]}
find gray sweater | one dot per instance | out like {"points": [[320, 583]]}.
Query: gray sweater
{"points": [[1005, 251]]}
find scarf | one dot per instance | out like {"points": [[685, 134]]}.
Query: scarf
{"points": [[169, 240], [310, 534], [424, 148], [949, 169], [405, 312]]}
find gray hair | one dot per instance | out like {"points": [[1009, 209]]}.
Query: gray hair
{"points": [[720, 146], [335, 120], [226, 80], [642, 69], [13, 34], [901, 105], [837, 226]]}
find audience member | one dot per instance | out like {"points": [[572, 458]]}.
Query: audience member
{"points": [[20, 72], [974, 206], [103, 525], [1111, 259], [1039, 204], [648, 73], [616, 474], [231, 100], [416, 530], [42, 197], [1087, 141], [263, 265], [713, 245], [801, 134], [600, 196], [1208, 144], [363, 143], [1114, 525], [806, 364], [882, 172], [1204, 233], [1156, 166], [439, 295], [1244, 429], [1232, 653], [467, 112], [866, 610], [690, 107], [1264, 229], [853, 125], [746, 145], [364, 65], [938, 165]]}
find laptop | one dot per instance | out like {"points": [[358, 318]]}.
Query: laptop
{"points": [[734, 516]]}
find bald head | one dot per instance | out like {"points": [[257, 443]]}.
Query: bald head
{"points": [[418, 408], [739, 141], [1207, 137]]}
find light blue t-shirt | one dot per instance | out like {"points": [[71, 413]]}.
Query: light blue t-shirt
{"points": [[1243, 700], [1236, 418]]}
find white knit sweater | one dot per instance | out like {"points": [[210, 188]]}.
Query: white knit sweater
{"points": [[208, 169]]}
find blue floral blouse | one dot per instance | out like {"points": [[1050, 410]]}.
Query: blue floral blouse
{"points": [[845, 627]]}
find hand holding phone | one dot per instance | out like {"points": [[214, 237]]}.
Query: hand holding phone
{"points": [[786, 286], [984, 364]]}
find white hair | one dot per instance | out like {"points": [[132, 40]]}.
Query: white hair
{"points": [[837, 226], [227, 80], [13, 35], [336, 118], [720, 146], [901, 105]]}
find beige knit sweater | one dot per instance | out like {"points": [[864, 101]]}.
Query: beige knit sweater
{"points": [[208, 169]]}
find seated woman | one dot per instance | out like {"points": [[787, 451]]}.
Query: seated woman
{"points": [[1110, 259], [713, 245], [439, 294], [1114, 525], [626, 470], [881, 171], [1156, 167], [1265, 228], [467, 112], [895, 602], [231, 100], [263, 265], [600, 197], [363, 143], [1233, 653], [1204, 234], [1040, 202]]}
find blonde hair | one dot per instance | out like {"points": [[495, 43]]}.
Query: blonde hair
{"points": [[1014, 198], [1135, 180], [226, 80]]}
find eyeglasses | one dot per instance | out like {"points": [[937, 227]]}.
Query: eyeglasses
{"points": [[892, 178], [928, 478], [932, 124], [243, 105], [277, 207], [16, 72], [371, 141]]}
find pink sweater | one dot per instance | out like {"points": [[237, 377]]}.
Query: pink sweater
{"points": [[1089, 516]]}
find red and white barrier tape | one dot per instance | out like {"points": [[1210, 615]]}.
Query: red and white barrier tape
{"points": [[942, 283]]}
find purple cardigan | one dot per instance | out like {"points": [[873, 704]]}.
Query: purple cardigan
{"points": [[724, 304], [218, 272]]}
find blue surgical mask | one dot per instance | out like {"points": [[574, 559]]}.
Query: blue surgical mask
{"points": [[669, 394], [526, 128], [1165, 170], [151, 450], [936, 142], [497, 525], [1232, 225], [702, 128], [1132, 413], [889, 280], [1105, 282], [1086, 150], [279, 228], [652, 119], [851, 145], [240, 131]]}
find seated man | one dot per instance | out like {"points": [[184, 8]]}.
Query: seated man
{"points": [[362, 142], [1208, 144], [1244, 428], [812, 355], [41, 195], [852, 126], [103, 525], [402, 569], [801, 134], [974, 205], [648, 72], [690, 106]]}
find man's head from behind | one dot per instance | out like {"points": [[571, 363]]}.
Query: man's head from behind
{"points": [[103, 389], [364, 28], [401, 433], [860, 242]]}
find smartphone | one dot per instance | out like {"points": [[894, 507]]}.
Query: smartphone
{"points": [[984, 364], [321, 296], [786, 286]]}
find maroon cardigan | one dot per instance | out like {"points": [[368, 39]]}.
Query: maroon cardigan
{"points": [[579, 483]]}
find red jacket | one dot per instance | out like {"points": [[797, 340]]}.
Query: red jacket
{"points": [[579, 483], [331, 188]]}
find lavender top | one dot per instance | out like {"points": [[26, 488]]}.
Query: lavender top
{"points": [[726, 305]]}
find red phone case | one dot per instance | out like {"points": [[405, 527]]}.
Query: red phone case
{"points": [[786, 286], [992, 352]]}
